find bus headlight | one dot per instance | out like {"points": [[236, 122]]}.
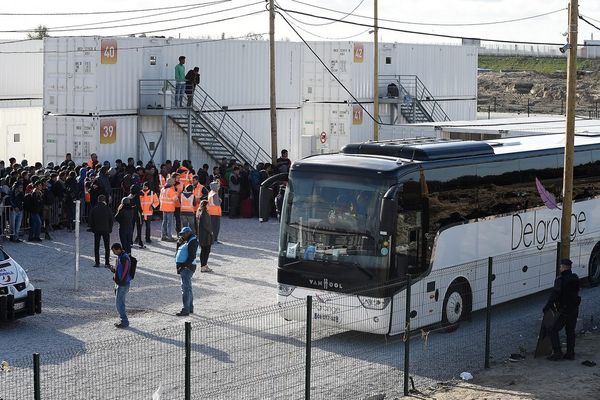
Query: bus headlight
{"points": [[286, 290], [374, 303]]}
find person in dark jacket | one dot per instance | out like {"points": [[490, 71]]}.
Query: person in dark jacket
{"points": [[192, 79], [205, 235], [125, 215], [101, 223], [565, 300], [185, 261], [122, 279], [134, 198], [72, 194], [16, 198], [34, 204]]}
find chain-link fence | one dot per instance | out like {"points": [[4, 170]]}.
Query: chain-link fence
{"points": [[529, 105], [450, 320]]}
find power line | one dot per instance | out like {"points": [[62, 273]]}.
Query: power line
{"points": [[127, 19], [437, 24], [428, 33], [139, 23], [347, 14], [139, 33], [329, 71], [113, 11], [325, 37], [150, 46], [581, 17], [593, 19]]}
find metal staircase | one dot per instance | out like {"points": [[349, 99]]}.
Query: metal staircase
{"points": [[211, 127], [415, 101]]}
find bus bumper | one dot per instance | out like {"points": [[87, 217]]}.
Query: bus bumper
{"points": [[347, 312]]}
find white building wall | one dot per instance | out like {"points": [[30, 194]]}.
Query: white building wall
{"points": [[110, 137], [21, 133], [21, 69]]}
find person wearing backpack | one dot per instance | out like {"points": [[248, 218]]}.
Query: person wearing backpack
{"points": [[122, 278], [185, 261]]}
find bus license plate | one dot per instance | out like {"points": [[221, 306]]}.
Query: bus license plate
{"points": [[19, 306]]}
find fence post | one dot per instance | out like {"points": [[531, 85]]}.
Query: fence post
{"points": [[488, 312], [77, 218], [495, 104], [562, 106], [188, 360], [37, 390], [308, 347], [557, 258], [528, 107], [489, 111], [407, 335]]}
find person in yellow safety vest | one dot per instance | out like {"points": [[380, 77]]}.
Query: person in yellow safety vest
{"points": [[169, 200], [149, 201], [188, 207], [214, 209], [200, 192]]}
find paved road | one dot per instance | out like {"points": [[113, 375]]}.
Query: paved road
{"points": [[236, 353]]}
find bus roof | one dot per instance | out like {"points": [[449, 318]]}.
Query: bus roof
{"points": [[539, 142]]}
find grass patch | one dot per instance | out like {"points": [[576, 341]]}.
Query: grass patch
{"points": [[544, 65]]}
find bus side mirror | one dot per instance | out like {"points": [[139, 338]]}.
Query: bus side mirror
{"points": [[389, 209], [265, 197]]}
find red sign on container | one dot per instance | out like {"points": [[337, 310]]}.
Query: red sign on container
{"points": [[108, 131], [323, 137], [359, 53], [108, 51]]}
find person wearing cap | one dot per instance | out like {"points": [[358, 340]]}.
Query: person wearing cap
{"points": [[125, 215], [16, 199], [168, 202], [565, 301], [214, 209], [34, 204], [179, 81], [185, 262]]}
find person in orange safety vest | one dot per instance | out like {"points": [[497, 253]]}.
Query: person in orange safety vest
{"points": [[149, 201], [169, 201], [188, 207], [214, 209]]}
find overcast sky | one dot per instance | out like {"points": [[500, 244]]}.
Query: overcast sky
{"points": [[544, 29]]}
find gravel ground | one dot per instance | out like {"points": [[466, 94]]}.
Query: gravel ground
{"points": [[241, 348]]}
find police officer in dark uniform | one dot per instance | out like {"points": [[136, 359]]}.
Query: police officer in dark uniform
{"points": [[565, 300]]}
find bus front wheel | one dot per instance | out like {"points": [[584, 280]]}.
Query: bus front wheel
{"points": [[594, 266], [457, 304]]}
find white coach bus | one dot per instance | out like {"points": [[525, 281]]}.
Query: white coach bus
{"points": [[377, 211]]}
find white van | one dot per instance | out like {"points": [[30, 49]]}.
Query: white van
{"points": [[18, 297]]}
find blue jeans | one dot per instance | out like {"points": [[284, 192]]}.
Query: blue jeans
{"points": [[35, 226], [15, 223], [121, 295], [167, 223], [186, 290], [179, 92]]}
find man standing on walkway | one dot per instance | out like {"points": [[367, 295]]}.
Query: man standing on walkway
{"points": [[122, 279], [179, 82], [214, 209], [100, 222], [185, 261], [17, 198], [192, 79], [565, 300]]}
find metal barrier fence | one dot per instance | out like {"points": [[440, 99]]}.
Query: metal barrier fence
{"points": [[285, 351]]}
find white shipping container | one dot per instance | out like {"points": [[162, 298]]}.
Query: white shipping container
{"points": [[21, 133], [258, 125], [236, 72], [111, 138], [100, 76], [21, 69]]}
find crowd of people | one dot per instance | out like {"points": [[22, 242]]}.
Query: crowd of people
{"points": [[187, 201]]}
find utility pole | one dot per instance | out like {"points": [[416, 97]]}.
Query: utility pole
{"points": [[567, 210], [375, 73], [272, 82]]}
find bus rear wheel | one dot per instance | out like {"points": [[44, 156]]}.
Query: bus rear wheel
{"points": [[594, 266], [456, 304]]}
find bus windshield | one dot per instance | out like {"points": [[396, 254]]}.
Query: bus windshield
{"points": [[333, 219]]}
